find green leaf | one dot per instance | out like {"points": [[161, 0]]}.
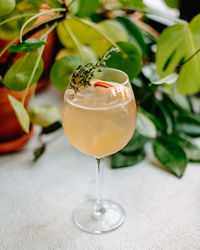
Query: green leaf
{"points": [[145, 126], [21, 113], [38, 152], [114, 30], [134, 33], [27, 46], [192, 150], [16, 78], [172, 3], [54, 3], [128, 60], [196, 103], [51, 3], [86, 7], [188, 124], [89, 55], [150, 72], [120, 160], [6, 7], [136, 143], [62, 70], [11, 29], [168, 118], [43, 115], [179, 101], [52, 128], [84, 35], [171, 155], [158, 124], [176, 44], [169, 79], [132, 3]]}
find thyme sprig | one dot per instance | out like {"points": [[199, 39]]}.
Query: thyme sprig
{"points": [[83, 74]]}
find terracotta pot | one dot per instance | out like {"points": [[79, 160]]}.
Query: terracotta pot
{"points": [[16, 144], [9, 125], [48, 52]]}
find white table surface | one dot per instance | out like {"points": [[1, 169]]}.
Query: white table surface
{"points": [[37, 201]]}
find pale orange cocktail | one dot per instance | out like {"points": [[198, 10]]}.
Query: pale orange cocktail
{"points": [[99, 121]]}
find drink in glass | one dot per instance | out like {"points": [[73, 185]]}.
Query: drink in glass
{"points": [[99, 120]]}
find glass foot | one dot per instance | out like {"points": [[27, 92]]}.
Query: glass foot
{"points": [[108, 218]]}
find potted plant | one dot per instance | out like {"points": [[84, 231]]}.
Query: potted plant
{"points": [[12, 136], [9, 30], [163, 71]]}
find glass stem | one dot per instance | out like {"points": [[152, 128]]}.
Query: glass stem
{"points": [[99, 209]]}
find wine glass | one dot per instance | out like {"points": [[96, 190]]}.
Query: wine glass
{"points": [[99, 120]]}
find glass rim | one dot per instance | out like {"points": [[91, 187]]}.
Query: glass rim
{"points": [[120, 71], [113, 69]]}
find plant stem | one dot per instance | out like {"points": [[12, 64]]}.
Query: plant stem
{"points": [[16, 17], [44, 36], [49, 30], [37, 15], [190, 104], [7, 46], [42, 25], [33, 72], [37, 62], [187, 60], [99, 209], [75, 41], [92, 26]]}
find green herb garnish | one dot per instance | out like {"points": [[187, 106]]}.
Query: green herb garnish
{"points": [[83, 74]]}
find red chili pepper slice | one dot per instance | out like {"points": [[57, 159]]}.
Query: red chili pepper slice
{"points": [[103, 84]]}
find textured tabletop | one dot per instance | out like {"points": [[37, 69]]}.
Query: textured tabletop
{"points": [[37, 202]]}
